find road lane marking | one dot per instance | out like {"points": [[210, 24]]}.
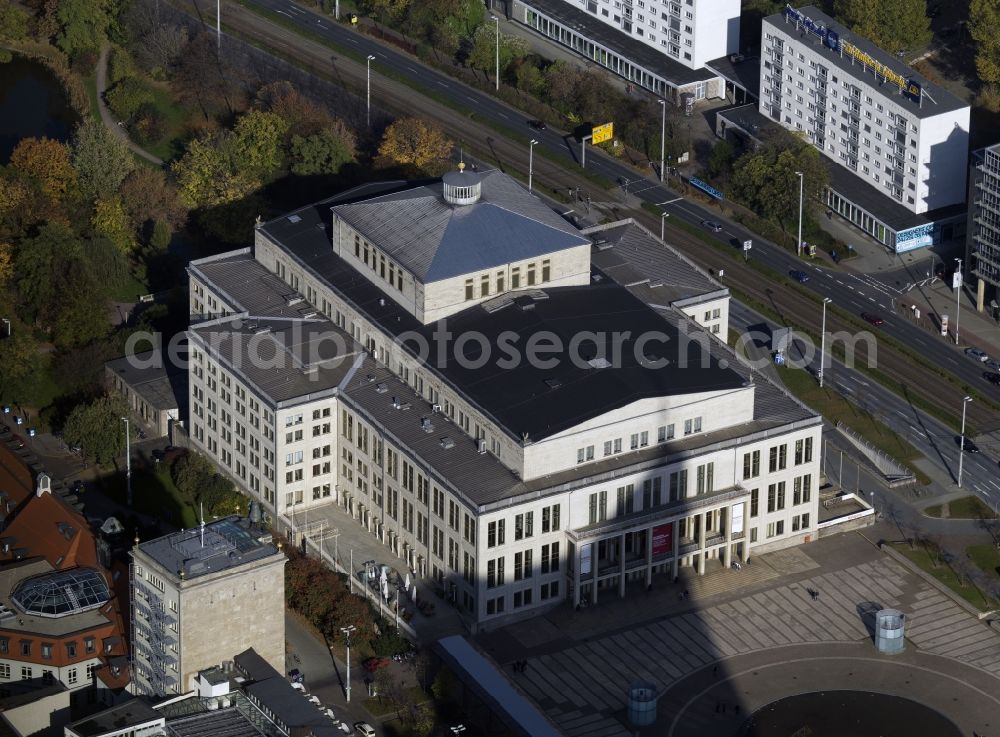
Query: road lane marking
{"points": [[675, 199], [289, 15]]}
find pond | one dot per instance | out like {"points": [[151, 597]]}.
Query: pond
{"points": [[847, 714], [32, 103]]}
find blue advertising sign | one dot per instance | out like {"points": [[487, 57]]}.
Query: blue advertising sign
{"points": [[913, 238], [707, 188], [830, 38]]}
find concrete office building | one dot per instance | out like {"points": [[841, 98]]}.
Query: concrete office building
{"points": [[900, 143], [200, 595], [982, 258], [661, 45], [513, 484]]}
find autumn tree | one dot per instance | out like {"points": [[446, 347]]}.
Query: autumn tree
{"points": [[255, 148], [46, 163], [83, 24], [386, 11], [96, 428], [302, 116], [101, 159], [148, 196], [111, 221], [766, 181], [127, 96], [6, 263], [20, 365], [984, 20], [324, 152], [416, 142], [483, 55], [13, 22], [894, 25], [206, 175]]}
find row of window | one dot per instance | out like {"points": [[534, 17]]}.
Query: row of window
{"points": [[489, 285], [523, 565], [777, 458], [524, 526], [776, 496], [522, 598], [26, 647], [639, 440], [385, 268]]}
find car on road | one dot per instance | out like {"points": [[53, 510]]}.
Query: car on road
{"points": [[872, 318], [992, 364], [800, 276], [364, 729], [992, 377], [968, 446], [538, 125], [712, 225], [977, 354]]}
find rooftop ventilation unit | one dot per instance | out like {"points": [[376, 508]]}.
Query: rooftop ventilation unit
{"points": [[553, 383], [262, 330], [426, 425], [447, 443], [382, 389], [295, 299], [481, 447], [309, 314], [294, 219], [599, 363]]}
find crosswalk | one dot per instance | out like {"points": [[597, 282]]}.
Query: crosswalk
{"points": [[583, 688]]}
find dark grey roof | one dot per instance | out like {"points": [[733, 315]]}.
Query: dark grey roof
{"points": [[242, 283], [132, 713], [229, 722], [634, 257], [153, 376], [253, 665], [228, 542], [435, 240], [939, 99], [270, 689], [619, 42], [284, 359], [751, 121], [742, 71], [881, 206]]}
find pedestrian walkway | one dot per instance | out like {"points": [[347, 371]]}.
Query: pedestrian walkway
{"points": [[581, 679], [108, 118]]}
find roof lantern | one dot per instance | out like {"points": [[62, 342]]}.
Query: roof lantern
{"points": [[462, 187]]}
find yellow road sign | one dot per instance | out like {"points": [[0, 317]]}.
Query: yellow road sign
{"points": [[602, 133]]}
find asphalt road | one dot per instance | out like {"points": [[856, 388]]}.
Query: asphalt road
{"points": [[854, 293], [932, 438]]}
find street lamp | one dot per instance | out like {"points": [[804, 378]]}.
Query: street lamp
{"points": [[663, 220], [128, 464], [347, 636], [958, 295], [663, 134], [798, 243], [496, 20], [961, 442], [531, 160], [822, 338], [368, 114], [218, 25], [6, 322]]}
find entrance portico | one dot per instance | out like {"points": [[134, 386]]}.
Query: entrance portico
{"points": [[634, 546]]}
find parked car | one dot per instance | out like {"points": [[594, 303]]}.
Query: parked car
{"points": [[977, 354], [712, 225], [364, 729], [992, 364], [968, 446], [800, 276], [992, 377], [538, 125], [872, 318]]}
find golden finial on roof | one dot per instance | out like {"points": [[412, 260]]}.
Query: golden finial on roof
{"points": [[461, 166]]}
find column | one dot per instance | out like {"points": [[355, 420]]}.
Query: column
{"points": [[649, 557], [746, 531], [594, 566], [727, 555], [675, 563], [701, 543], [576, 575], [621, 566], [980, 294]]}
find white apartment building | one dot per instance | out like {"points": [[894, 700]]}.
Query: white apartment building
{"points": [[900, 142], [664, 46], [200, 595], [515, 484], [982, 256]]}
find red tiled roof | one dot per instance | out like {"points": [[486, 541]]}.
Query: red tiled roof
{"points": [[47, 527]]}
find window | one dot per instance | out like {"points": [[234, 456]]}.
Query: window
{"points": [[652, 492], [751, 464], [47, 651], [753, 534], [550, 590], [25, 672], [89, 644], [625, 501], [665, 433], [468, 290], [706, 478], [5, 671], [585, 454], [515, 277], [522, 598], [754, 502], [494, 573], [777, 458], [500, 280], [805, 521], [495, 606], [495, 534], [71, 646], [550, 558], [524, 525], [598, 507], [772, 495], [531, 275], [522, 565], [803, 451], [678, 485], [781, 495], [546, 270], [806, 488], [26, 647], [4, 645], [71, 676], [484, 286], [550, 518]]}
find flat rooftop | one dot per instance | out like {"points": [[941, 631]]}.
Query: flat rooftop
{"points": [[227, 543], [154, 377], [742, 71], [132, 713], [620, 43], [937, 99]]}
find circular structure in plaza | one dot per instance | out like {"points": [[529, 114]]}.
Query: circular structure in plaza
{"points": [[846, 714]]}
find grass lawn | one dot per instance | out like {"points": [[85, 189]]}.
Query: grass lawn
{"points": [[175, 120], [924, 558], [130, 291], [968, 507], [986, 558], [835, 408], [153, 493]]}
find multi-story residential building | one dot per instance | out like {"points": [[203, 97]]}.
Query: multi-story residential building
{"points": [[200, 595], [982, 258], [369, 354], [900, 142], [59, 615], [664, 46]]}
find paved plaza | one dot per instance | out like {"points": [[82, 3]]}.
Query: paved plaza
{"points": [[741, 640]]}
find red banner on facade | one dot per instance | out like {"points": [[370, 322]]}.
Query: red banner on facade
{"points": [[663, 540]]}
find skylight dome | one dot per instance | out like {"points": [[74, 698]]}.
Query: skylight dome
{"points": [[63, 592]]}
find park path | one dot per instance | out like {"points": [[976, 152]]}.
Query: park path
{"points": [[108, 118]]}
